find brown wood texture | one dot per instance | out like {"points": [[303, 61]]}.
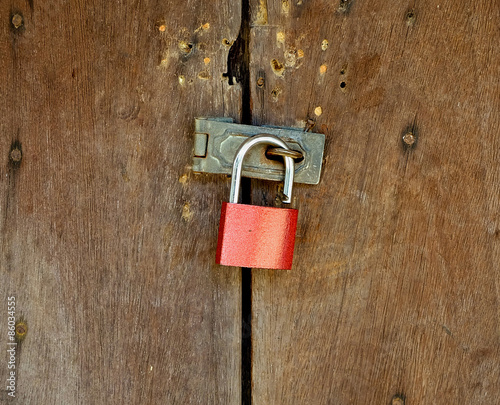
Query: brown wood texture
{"points": [[394, 294], [107, 239]]}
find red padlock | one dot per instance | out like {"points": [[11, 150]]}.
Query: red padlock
{"points": [[253, 236]]}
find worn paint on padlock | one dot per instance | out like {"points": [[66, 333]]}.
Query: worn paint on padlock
{"points": [[256, 237]]}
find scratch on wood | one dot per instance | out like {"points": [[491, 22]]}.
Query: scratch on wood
{"points": [[445, 328]]}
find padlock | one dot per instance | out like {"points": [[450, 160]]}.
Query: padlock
{"points": [[254, 236]]}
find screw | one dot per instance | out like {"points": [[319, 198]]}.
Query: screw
{"points": [[397, 400], [21, 330], [409, 139], [17, 20], [16, 155], [260, 82]]}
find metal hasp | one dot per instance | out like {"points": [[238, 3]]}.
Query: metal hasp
{"points": [[216, 141]]}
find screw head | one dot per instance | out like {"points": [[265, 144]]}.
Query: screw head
{"points": [[397, 400], [17, 20], [409, 139], [16, 155], [21, 330]]}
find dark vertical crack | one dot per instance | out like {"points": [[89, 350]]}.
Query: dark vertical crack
{"points": [[238, 63], [238, 69], [246, 274], [246, 337]]}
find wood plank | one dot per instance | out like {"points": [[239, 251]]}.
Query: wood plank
{"points": [[394, 294], [107, 239]]}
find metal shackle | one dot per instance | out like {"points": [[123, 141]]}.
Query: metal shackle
{"points": [[238, 163]]}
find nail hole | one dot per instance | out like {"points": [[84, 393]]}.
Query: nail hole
{"points": [[410, 17], [186, 47], [275, 93], [343, 85], [278, 67]]}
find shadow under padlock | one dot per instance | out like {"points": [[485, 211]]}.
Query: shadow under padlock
{"points": [[255, 236]]}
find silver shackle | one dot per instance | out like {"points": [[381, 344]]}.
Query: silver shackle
{"points": [[238, 163]]}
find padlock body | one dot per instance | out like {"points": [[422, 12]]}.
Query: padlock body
{"points": [[256, 237]]}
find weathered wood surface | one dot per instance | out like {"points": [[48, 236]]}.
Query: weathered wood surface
{"points": [[107, 240], [394, 293]]}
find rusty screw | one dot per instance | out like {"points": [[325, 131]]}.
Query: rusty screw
{"points": [[409, 139], [17, 20], [16, 155], [398, 400], [260, 82], [21, 330]]}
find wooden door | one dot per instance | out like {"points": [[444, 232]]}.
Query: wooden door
{"points": [[108, 239], [394, 294]]}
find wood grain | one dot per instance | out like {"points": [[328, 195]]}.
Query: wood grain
{"points": [[107, 239], [394, 294]]}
